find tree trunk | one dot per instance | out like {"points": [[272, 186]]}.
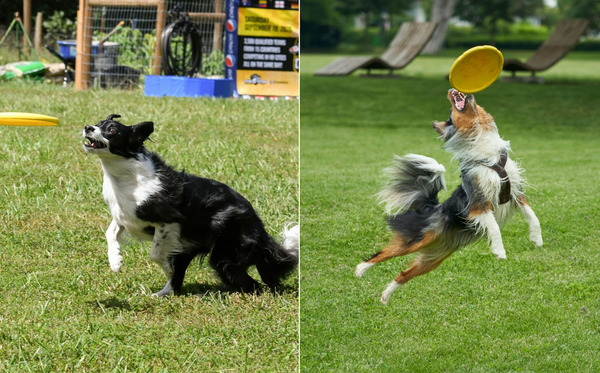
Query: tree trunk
{"points": [[441, 13], [366, 32]]}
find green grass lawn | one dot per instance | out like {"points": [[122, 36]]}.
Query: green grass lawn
{"points": [[575, 66], [62, 307], [538, 311]]}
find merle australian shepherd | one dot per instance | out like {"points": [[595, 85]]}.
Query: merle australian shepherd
{"points": [[491, 191], [183, 215]]}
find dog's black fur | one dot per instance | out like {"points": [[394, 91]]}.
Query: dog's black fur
{"points": [[214, 220]]}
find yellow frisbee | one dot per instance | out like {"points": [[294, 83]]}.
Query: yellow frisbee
{"points": [[27, 119], [476, 69]]}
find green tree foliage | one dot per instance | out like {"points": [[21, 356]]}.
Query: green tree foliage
{"points": [[47, 7], [587, 9], [488, 13], [320, 24], [57, 27], [372, 9]]}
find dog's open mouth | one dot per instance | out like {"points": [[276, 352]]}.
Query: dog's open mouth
{"points": [[459, 99], [94, 144]]}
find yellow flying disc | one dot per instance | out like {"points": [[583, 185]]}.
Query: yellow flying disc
{"points": [[476, 69], [27, 119]]}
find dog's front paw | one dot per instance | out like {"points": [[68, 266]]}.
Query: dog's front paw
{"points": [[537, 240], [116, 262], [166, 291], [362, 268], [501, 256], [384, 298], [387, 293], [161, 294], [499, 252]]}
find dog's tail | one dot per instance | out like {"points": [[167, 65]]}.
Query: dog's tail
{"points": [[290, 239], [279, 260], [415, 181]]}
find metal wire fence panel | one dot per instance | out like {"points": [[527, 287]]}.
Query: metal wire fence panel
{"points": [[124, 44], [209, 17]]}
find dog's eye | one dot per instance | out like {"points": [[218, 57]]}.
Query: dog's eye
{"points": [[113, 131]]}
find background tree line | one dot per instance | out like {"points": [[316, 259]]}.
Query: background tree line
{"points": [[327, 25], [48, 7]]}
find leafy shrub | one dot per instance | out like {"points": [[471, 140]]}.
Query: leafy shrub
{"points": [[588, 45], [58, 27], [519, 29], [135, 48], [502, 41], [213, 64], [516, 36]]}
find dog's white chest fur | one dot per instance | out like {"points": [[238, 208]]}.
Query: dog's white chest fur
{"points": [[127, 184]]}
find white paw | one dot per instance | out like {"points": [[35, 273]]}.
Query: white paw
{"points": [[387, 293], [536, 239], [116, 262], [499, 252], [362, 268], [384, 300]]}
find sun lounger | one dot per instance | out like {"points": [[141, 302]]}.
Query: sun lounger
{"points": [[562, 40], [406, 45]]}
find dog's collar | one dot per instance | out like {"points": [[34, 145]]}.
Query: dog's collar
{"points": [[505, 182]]}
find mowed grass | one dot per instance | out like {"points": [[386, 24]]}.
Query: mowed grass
{"points": [[63, 310], [538, 311], [575, 66]]}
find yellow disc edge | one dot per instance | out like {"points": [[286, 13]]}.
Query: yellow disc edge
{"points": [[465, 55], [27, 119]]}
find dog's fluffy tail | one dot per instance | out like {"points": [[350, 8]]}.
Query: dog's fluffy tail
{"points": [[279, 260], [415, 181], [290, 239]]}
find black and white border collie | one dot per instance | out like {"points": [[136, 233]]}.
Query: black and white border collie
{"points": [[491, 191], [183, 215]]}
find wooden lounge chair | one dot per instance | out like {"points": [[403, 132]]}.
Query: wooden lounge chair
{"points": [[562, 40], [407, 44]]}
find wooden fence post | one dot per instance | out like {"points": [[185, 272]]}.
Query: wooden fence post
{"points": [[161, 16], [218, 30], [27, 25], [38, 32]]}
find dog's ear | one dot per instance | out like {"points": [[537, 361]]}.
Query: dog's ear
{"points": [[141, 132], [112, 116]]}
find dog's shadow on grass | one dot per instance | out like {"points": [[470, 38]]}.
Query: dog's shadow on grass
{"points": [[200, 290], [115, 303], [204, 290]]}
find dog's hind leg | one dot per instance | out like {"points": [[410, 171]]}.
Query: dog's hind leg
{"points": [[398, 247], [485, 220], [166, 242], [231, 268], [274, 261], [535, 231], [428, 260], [113, 237], [179, 262]]}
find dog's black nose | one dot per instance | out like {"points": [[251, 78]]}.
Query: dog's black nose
{"points": [[89, 129]]}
